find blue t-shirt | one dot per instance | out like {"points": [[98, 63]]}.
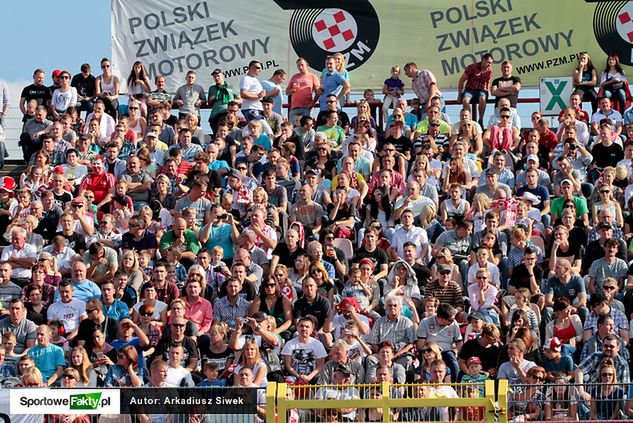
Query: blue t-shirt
{"points": [[394, 84], [540, 191], [278, 99], [332, 84], [220, 236], [264, 141], [117, 344], [83, 291], [47, 359]]}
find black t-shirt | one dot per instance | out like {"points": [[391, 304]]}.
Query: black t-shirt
{"points": [[520, 278], [285, 256], [189, 345], [488, 356], [343, 118], [378, 256], [62, 199], [402, 144], [85, 86], [36, 92], [109, 327], [294, 138], [75, 241], [606, 156], [148, 241], [506, 82], [320, 309]]}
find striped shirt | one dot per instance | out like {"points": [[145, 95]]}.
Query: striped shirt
{"points": [[452, 294], [399, 331]]}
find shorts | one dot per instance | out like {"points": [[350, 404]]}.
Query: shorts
{"points": [[468, 94]]}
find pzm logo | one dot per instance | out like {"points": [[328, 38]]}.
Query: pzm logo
{"points": [[349, 27]]}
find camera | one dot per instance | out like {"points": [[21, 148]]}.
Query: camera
{"points": [[222, 216]]}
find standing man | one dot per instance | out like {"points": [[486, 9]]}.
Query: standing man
{"points": [[84, 82], [219, 97], [506, 86], [189, 97], [4, 98], [333, 83], [36, 91], [274, 90], [423, 84], [302, 91], [252, 91], [476, 78]]}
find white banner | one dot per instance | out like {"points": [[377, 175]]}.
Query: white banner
{"points": [[554, 94], [64, 401], [171, 37]]}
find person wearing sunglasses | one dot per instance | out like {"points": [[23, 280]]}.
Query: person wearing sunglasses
{"points": [[502, 135], [63, 97], [607, 398], [526, 402]]}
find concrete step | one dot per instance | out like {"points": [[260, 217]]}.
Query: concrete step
{"points": [[13, 168]]}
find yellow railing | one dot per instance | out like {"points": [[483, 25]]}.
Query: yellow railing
{"points": [[282, 398]]}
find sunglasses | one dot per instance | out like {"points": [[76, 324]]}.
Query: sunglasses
{"points": [[426, 351], [609, 288], [146, 314], [270, 285], [322, 149], [315, 271], [90, 310], [133, 108], [69, 377], [241, 168], [538, 378], [505, 116], [445, 272], [178, 325], [64, 77]]}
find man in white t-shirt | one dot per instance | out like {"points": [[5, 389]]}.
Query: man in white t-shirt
{"points": [[251, 92], [21, 255], [68, 310], [304, 356]]}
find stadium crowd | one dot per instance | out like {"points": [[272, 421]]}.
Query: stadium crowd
{"points": [[322, 248]]}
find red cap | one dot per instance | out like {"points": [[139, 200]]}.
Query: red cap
{"points": [[347, 301], [56, 73], [7, 183]]}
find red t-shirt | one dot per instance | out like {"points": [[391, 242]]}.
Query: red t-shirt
{"points": [[100, 185]]}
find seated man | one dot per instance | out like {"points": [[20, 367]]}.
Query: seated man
{"points": [[304, 356], [342, 376], [444, 331], [49, 358], [21, 255], [397, 329]]}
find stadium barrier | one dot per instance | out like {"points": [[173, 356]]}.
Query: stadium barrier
{"points": [[385, 402]]}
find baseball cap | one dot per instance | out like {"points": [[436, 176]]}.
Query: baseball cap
{"points": [[472, 360], [267, 99], [235, 173], [313, 172], [533, 157], [553, 344], [443, 267], [567, 181], [216, 71], [56, 73], [604, 225], [528, 196], [343, 369], [347, 301], [476, 315]]}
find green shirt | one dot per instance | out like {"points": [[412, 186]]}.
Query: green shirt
{"points": [[191, 241], [556, 207], [334, 134]]}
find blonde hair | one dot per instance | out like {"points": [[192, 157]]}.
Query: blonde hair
{"points": [[133, 254], [83, 372], [261, 191]]}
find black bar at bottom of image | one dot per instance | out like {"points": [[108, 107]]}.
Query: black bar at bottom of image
{"points": [[189, 401]]}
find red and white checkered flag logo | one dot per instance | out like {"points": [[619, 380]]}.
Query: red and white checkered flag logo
{"points": [[334, 30], [624, 23]]}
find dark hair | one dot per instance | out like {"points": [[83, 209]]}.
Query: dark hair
{"points": [[446, 311], [384, 202]]}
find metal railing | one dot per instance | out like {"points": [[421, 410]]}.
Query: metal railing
{"points": [[386, 402], [542, 402]]}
